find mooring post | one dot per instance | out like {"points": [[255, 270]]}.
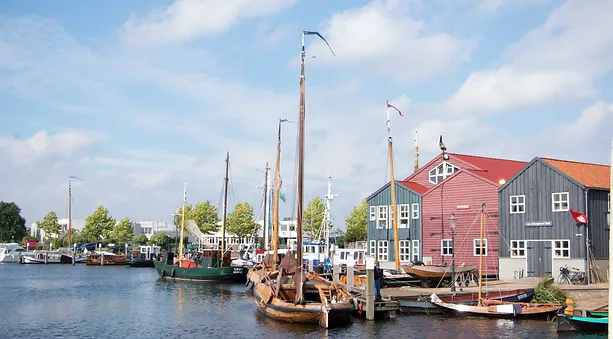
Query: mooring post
{"points": [[370, 287], [336, 270], [46, 256], [102, 259], [350, 273]]}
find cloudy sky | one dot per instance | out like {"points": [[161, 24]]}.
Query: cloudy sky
{"points": [[138, 97]]}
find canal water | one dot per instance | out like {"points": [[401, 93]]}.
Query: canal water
{"points": [[47, 301]]}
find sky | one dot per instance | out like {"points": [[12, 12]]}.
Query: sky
{"points": [[138, 97]]}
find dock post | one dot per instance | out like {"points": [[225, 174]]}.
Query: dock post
{"points": [[370, 287], [350, 273], [102, 259], [336, 270], [46, 256], [74, 253], [310, 265]]}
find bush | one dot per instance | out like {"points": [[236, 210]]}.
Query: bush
{"points": [[546, 293]]}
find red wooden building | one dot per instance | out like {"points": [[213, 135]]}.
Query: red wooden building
{"points": [[460, 185]]}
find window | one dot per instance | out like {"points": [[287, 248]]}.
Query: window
{"points": [[373, 247], [561, 248], [391, 215], [404, 247], [382, 252], [477, 247], [559, 202], [441, 172], [415, 250], [518, 204], [373, 213], [446, 247], [382, 217], [404, 216], [518, 249], [415, 211]]}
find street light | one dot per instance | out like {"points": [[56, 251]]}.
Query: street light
{"points": [[452, 220]]}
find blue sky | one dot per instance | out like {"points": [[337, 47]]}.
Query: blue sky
{"points": [[139, 97]]}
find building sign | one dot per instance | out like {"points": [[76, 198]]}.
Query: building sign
{"points": [[539, 223], [462, 207]]}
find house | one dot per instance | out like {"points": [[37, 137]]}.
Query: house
{"points": [[538, 235], [380, 223], [75, 224], [459, 186]]}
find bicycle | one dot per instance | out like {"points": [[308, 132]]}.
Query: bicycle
{"points": [[571, 276]]}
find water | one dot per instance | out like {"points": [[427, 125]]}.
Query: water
{"points": [[46, 301]]}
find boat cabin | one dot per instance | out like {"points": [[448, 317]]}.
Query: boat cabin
{"points": [[343, 255], [149, 252], [205, 258]]}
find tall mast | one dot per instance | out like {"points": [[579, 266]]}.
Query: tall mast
{"points": [[69, 209], [264, 223], [393, 189], [328, 225], [182, 225], [225, 209], [416, 154], [275, 206], [481, 255]]}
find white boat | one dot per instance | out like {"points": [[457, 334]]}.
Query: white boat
{"points": [[51, 257], [9, 253]]}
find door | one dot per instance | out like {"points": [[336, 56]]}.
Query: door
{"points": [[539, 258]]}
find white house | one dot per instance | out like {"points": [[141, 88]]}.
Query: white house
{"points": [[75, 224]]}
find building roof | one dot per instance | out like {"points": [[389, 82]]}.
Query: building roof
{"points": [[413, 186], [492, 169], [589, 175]]}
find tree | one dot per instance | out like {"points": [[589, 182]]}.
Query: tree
{"points": [[357, 224], [159, 238], [203, 213], [122, 232], [313, 216], [98, 226], [339, 237], [12, 224], [49, 224], [241, 222], [140, 239]]}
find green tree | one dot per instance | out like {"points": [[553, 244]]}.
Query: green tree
{"points": [[313, 216], [12, 224], [241, 222], [357, 223], [98, 225], [339, 237], [203, 213], [140, 239], [49, 224], [159, 238], [122, 232]]}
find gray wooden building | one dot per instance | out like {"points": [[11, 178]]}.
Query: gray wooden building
{"points": [[380, 223], [538, 234]]}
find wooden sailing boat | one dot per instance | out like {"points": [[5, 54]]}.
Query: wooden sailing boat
{"points": [[207, 264], [494, 308], [287, 293]]}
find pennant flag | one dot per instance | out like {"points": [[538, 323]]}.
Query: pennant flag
{"points": [[579, 217], [322, 38], [392, 106], [281, 195]]}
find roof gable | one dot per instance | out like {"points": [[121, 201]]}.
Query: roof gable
{"points": [[403, 185], [471, 172], [587, 174], [546, 164], [413, 186]]}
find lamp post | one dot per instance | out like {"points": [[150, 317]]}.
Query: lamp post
{"points": [[452, 220]]}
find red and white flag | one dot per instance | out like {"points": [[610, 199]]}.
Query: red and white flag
{"points": [[392, 106], [580, 218]]}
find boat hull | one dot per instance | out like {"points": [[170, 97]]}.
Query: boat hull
{"points": [[205, 274], [588, 324], [435, 272], [417, 305], [137, 262], [503, 311]]}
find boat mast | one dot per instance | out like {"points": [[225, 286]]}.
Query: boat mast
{"points": [[328, 225], [393, 189], [264, 224], [416, 168], [275, 206], [481, 255], [300, 191], [225, 209], [182, 225], [69, 209]]}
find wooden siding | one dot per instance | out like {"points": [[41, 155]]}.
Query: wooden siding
{"points": [[597, 222], [384, 198], [465, 188], [537, 181]]}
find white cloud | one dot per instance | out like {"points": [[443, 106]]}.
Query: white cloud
{"points": [[561, 60], [385, 37], [189, 19]]}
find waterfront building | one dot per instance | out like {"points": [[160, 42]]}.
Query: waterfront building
{"points": [[75, 224], [538, 234]]}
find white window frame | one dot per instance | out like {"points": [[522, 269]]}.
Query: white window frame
{"points": [[476, 247], [404, 212], [561, 248], [373, 213], [517, 204], [415, 250], [517, 248], [390, 215], [382, 217], [382, 250], [373, 247], [441, 172], [558, 198], [404, 249], [446, 247], [415, 211]]}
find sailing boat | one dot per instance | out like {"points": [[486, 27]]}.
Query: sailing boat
{"points": [[286, 293], [205, 264], [495, 308]]}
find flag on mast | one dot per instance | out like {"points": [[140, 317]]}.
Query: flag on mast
{"points": [[281, 195], [580, 218], [319, 35], [394, 107]]}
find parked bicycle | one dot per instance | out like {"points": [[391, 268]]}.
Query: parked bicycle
{"points": [[571, 276]]}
